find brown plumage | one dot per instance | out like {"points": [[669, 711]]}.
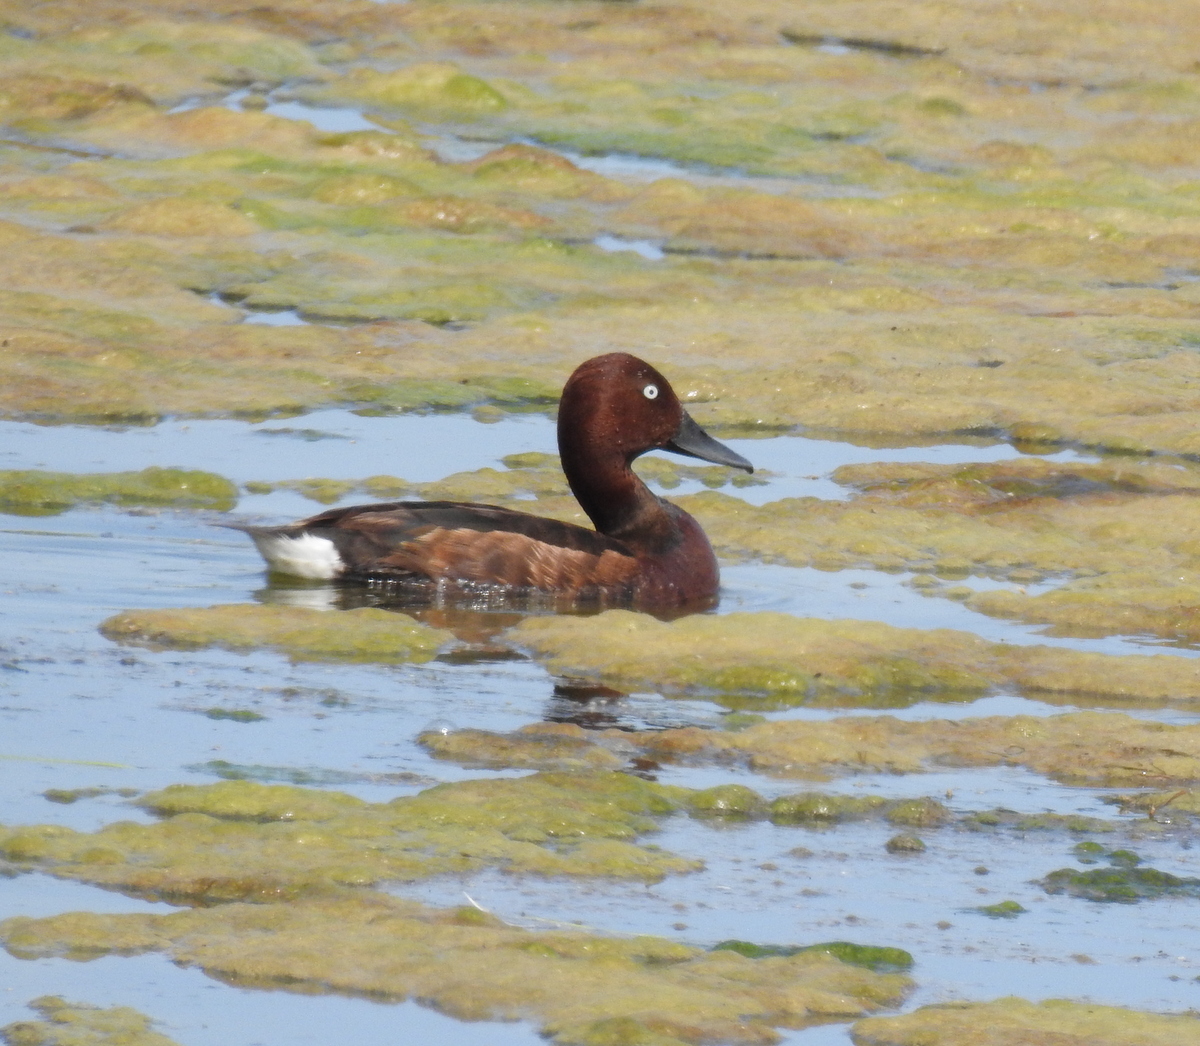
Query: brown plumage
{"points": [[644, 551]]}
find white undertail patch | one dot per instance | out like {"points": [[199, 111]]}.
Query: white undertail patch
{"points": [[305, 555]]}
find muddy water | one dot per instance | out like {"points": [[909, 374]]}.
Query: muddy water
{"points": [[77, 711]]}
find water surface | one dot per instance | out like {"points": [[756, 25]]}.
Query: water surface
{"points": [[78, 711]]}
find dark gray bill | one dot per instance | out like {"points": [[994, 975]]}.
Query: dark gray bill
{"points": [[693, 441]]}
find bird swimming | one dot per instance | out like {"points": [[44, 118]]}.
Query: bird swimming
{"points": [[645, 551]]}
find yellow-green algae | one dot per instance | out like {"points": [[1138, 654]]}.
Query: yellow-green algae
{"points": [[66, 1023], [363, 634], [1018, 260], [1078, 748], [565, 746], [1015, 265], [35, 493], [542, 746], [795, 660], [241, 840], [67, 796], [302, 775], [1011, 1021], [581, 989], [1022, 539]]}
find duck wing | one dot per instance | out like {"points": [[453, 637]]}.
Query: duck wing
{"points": [[423, 543]]}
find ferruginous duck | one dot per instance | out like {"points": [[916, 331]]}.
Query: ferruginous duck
{"points": [[645, 552]]}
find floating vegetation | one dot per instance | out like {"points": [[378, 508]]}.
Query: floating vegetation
{"points": [[30, 493], [241, 840], [236, 715], [313, 777], [365, 634], [67, 796], [1016, 1020], [580, 988], [871, 957], [965, 227], [81, 1024], [1124, 882], [1001, 910], [794, 660], [1000, 265], [1079, 748]]}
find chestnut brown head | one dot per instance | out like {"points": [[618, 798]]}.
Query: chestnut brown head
{"points": [[618, 404]]}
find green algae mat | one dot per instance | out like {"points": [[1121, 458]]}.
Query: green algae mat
{"points": [[974, 223], [243, 840], [890, 224], [81, 1024], [1078, 748], [580, 989], [787, 660], [308, 857], [365, 634], [743, 659], [1007, 1022], [33, 493]]}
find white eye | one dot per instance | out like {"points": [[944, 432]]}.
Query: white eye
{"points": [[650, 392]]}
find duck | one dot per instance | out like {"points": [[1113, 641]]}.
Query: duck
{"points": [[645, 552]]}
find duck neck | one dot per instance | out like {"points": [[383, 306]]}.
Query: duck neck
{"points": [[617, 502]]}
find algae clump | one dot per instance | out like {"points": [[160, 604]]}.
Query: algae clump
{"points": [[364, 634], [868, 956], [437, 86], [470, 965], [800, 660], [1000, 910], [240, 801], [66, 1023], [1124, 882], [544, 746], [1078, 748], [1012, 1020], [241, 839], [34, 493]]}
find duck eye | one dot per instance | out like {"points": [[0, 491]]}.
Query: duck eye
{"points": [[650, 392]]}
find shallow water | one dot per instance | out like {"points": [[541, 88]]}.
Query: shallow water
{"points": [[76, 710], [340, 444], [850, 889], [79, 711]]}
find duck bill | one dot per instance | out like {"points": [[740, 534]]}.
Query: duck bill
{"points": [[693, 441]]}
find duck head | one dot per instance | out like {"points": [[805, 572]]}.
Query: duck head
{"points": [[615, 408]]}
